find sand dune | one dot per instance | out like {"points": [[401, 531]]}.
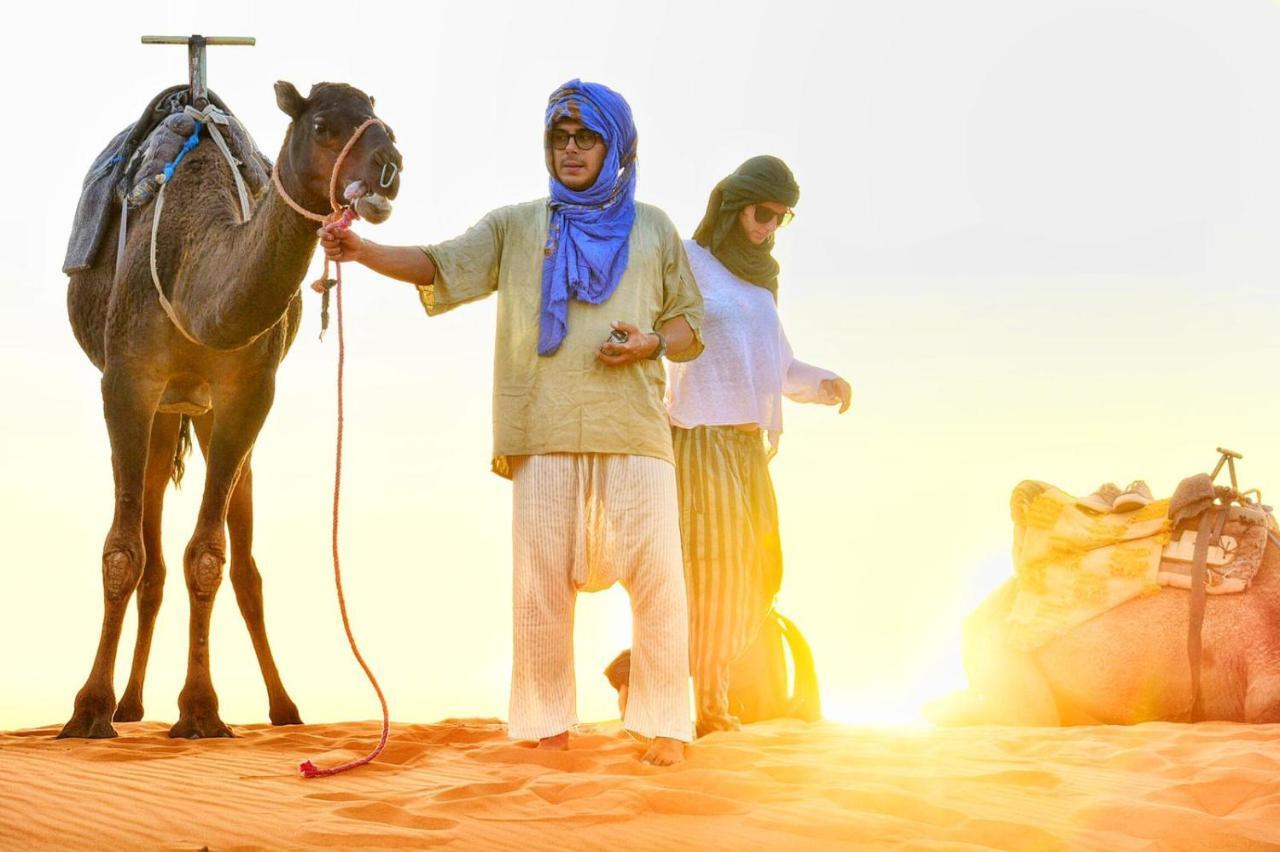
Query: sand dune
{"points": [[780, 785]]}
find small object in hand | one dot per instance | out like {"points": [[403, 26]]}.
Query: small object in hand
{"points": [[618, 336]]}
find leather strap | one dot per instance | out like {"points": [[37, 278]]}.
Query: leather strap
{"points": [[1195, 649]]}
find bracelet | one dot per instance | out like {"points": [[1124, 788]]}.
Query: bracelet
{"points": [[661, 350]]}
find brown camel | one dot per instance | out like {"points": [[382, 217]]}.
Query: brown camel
{"points": [[1127, 665], [235, 288]]}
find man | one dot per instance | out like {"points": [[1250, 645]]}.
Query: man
{"points": [[593, 289]]}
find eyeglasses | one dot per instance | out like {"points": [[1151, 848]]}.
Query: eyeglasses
{"points": [[763, 216], [585, 139]]}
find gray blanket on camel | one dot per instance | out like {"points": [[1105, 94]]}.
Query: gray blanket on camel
{"points": [[136, 154]]}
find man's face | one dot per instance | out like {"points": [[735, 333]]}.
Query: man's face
{"points": [[575, 167]]}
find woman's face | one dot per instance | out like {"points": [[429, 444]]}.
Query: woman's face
{"points": [[756, 230]]}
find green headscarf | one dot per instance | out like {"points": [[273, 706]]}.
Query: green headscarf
{"points": [[762, 178]]}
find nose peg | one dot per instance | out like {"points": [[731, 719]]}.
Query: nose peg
{"points": [[388, 176]]}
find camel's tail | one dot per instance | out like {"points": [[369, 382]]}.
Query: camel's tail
{"points": [[805, 703], [184, 447]]}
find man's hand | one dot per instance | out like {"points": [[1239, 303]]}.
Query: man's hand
{"points": [[638, 346], [342, 245], [840, 389]]}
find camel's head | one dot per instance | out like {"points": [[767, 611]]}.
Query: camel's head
{"points": [[322, 124]]}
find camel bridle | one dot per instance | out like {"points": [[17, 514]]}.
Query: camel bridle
{"points": [[333, 178]]}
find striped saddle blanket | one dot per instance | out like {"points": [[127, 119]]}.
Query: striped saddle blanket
{"points": [[1072, 563]]}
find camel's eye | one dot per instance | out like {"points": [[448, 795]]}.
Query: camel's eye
{"points": [[320, 128]]}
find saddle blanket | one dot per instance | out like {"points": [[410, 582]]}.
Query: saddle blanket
{"points": [[136, 154]]}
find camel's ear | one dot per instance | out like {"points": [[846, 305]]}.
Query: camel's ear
{"points": [[374, 103], [290, 102]]}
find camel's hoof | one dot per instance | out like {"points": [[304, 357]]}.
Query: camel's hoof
{"points": [[87, 726], [130, 710], [285, 714], [199, 727]]}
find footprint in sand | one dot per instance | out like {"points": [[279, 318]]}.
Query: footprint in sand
{"points": [[556, 794], [133, 753], [473, 791], [999, 834], [1221, 796], [1016, 777], [335, 797], [686, 803], [387, 814], [894, 804]]}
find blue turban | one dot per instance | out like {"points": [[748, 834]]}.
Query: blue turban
{"points": [[588, 231]]}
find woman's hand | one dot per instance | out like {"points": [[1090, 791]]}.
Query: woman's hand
{"points": [[839, 389], [342, 245], [638, 346]]}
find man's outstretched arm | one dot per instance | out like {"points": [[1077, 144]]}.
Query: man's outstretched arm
{"points": [[403, 263]]}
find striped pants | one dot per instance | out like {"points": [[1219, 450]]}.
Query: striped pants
{"points": [[581, 522], [732, 555]]}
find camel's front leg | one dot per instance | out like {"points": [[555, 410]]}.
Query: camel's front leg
{"points": [[237, 419], [247, 583], [160, 459], [129, 401]]}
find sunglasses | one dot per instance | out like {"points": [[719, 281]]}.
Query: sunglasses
{"points": [[763, 216], [585, 139]]}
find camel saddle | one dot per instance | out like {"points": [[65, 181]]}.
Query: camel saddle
{"points": [[136, 153], [1227, 534]]}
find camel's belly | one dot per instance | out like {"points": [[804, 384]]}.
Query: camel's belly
{"points": [[186, 394]]}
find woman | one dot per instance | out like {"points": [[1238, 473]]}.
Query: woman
{"points": [[720, 404]]}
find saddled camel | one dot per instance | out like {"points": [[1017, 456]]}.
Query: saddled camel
{"points": [[234, 286], [1127, 665]]}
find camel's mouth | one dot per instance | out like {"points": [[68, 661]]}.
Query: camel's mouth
{"points": [[371, 206]]}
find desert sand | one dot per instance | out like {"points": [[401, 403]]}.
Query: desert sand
{"points": [[777, 785]]}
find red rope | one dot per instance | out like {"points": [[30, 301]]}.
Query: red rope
{"points": [[307, 768]]}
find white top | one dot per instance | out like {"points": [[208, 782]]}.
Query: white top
{"points": [[747, 366]]}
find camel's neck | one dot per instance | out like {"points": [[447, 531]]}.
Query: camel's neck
{"points": [[240, 284]]}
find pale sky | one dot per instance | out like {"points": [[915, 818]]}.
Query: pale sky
{"points": [[1038, 238]]}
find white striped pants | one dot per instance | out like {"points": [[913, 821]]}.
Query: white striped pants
{"points": [[581, 522]]}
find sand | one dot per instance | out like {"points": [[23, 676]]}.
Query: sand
{"points": [[777, 785]]}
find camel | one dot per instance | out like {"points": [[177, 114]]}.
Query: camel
{"points": [[235, 288], [1127, 665]]}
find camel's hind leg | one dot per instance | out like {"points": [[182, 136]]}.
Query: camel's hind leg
{"points": [[129, 404], [247, 583], [160, 458]]}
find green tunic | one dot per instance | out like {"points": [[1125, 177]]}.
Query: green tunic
{"points": [[569, 402]]}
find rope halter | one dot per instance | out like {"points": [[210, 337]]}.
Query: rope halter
{"points": [[333, 178]]}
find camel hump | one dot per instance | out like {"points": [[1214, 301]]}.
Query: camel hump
{"points": [[186, 394]]}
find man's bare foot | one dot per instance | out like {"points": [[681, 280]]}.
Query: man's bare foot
{"points": [[560, 742], [664, 751]]}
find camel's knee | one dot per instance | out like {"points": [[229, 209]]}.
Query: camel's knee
{"points": [[204, 569], [121, 570]]}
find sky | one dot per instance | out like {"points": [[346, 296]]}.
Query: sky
{"points": [[1039, 239]]}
